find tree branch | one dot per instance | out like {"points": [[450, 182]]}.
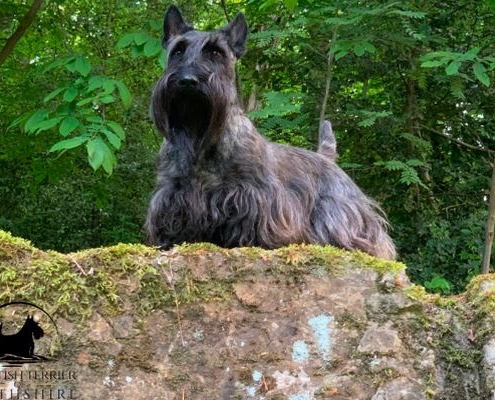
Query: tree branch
{"points": [[330, 60], [24, 24], [224, 7], [457, 141]]}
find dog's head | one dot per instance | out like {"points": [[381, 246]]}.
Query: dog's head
{"points": [[198, 85]]}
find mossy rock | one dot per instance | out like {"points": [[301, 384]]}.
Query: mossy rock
{"points": [[203, 322]]}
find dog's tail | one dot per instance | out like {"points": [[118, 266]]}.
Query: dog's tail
{"points": [[327, 144]]}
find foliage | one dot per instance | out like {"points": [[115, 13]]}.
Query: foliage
{"points": [[438, 284], [454, 61], [79, 113], [408, 87]]}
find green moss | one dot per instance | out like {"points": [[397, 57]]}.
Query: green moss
{"points": [[378, 264], [255, 252], [74, 284], [334, 259], [12, 247], [480, 294], [418, 293], [45, 279], [193, 248], [479, 302]]}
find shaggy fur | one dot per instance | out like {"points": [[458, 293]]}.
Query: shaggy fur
{"points": [[220, 181]]}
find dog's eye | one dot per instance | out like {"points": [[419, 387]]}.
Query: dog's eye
{"points": [[178, 50], [214, 52]]}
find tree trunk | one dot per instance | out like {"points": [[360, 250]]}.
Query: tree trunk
{"points": [[328, 80], [490, 224], [24, 24]]}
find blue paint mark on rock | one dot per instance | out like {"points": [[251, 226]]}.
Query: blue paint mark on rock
{"points": [[251, 391], [300, 396], [322, 331], [300, 352], [257, 375]]}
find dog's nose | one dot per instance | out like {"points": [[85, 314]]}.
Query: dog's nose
{"points": [[188, 80]]}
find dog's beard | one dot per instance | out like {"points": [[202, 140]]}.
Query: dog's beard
{"points": [[189, 111], [191, 118]]}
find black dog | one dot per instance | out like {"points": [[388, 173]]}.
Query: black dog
{"points": [[21, 344], [220, 181]]}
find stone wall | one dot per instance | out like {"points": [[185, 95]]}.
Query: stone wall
{"points": [[200, 322]]}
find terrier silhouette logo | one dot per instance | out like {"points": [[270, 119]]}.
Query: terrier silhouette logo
{"points": [[18, 348]]}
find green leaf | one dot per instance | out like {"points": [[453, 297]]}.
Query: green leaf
{"points": [[391, 165], [124, 93], [47, 124], [366, 123], [267, 4], [290, 5], [340, 54], [68, 125], [432, 64], [96, 152], [162, 58], [369, 47], [435, 55], [471, 54], [354, 20], [34, 120], [85, 101], [70, 94], [421, 143], [113, 139], [415, 163], [409, 176], [350, 166], [480, 72], [53, 94], [453, 68], [94, 119], [125, 41], [109, 162], [18, 121], [117, 129], [108, 86], [96, 82], [359, 50], [107, 99], [141, 38], [99, 154], [152, 47], [136, 51], [438, 285], [82, 66], [409, 14], [68, 144]]}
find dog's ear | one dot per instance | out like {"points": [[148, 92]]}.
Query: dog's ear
{"points": [[173, 25], [236, 33]]}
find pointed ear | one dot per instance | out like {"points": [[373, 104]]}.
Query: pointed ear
{"points": [[236, 32], [173, 25]]}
